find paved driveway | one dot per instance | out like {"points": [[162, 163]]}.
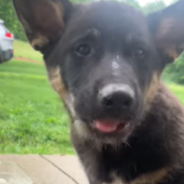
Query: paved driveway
{"points": [[44, 169]]}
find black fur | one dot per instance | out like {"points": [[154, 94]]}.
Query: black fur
{"points": [[80, 44]]}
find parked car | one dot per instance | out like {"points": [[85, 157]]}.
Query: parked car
{"points": [[6, 43]]}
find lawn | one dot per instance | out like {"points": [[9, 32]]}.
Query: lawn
{"points": [[24, 50], [32, 118], [177, 90]]}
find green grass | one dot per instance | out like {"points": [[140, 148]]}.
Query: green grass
{"points": [[32, 118], [23, 49], [177, 90]]}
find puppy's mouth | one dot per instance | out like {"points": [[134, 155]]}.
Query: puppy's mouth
{"points": [[109, 126]]}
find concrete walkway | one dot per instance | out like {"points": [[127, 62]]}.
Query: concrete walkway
{"points": [[44, 169]]}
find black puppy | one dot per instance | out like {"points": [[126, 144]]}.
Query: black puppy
{"points": [[105, 60]]}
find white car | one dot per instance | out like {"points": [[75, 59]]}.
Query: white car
{"points": [[6, 43]]}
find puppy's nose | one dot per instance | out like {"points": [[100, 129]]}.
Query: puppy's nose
{"points": [[117, 97]]}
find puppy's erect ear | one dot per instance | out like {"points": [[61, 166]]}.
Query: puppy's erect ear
{"points": [[42, 20], [167, 27]]}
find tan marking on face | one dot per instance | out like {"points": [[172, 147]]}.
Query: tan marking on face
{"points": [[152, 89], [174, 51], [171, 52], [55, 79], [39, 41], [56, 82]]}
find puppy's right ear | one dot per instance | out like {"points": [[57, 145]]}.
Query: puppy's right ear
{"points": [[42, 20], [167, 28]]}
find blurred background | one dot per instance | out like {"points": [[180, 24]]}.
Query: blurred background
{"points": [[32, 118]]}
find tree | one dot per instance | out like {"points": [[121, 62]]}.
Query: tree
{"points": [[153, 6], [7, 14], [133, 3]]}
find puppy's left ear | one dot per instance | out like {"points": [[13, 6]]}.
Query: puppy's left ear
{"points": [[167, 27], [43, 20]]}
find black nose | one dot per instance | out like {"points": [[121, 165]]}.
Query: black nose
{"points": [[116, 97]]}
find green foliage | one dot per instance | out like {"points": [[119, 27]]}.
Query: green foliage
{"points": [[133, 3], [7, 14], [153, 6]]}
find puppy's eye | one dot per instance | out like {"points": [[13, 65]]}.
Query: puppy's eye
{"points": [[83, 50], [139, 53]]}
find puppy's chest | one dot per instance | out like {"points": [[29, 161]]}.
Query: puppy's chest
{"points": [[119, 181], [149, 178], [116, 181]]}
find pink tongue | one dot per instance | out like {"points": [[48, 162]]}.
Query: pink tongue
{"points": [[106, 126]]}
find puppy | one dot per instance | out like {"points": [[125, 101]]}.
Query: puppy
{"points": [[105, 60]]}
